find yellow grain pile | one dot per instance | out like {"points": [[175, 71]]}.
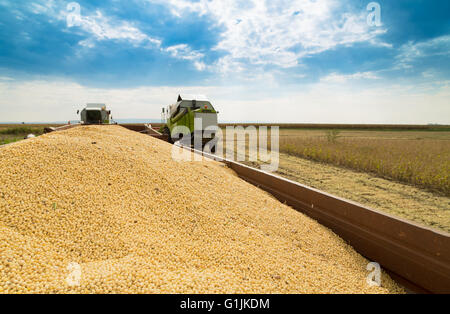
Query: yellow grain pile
{"points": [[102, 209]]}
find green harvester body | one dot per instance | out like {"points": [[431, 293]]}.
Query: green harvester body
{"points": [[184, 112]]}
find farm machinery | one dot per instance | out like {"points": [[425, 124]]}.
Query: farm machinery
{"points": [[95, 114], [192, 119]]}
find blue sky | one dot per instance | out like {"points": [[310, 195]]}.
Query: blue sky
{"points": [[259, 61]]}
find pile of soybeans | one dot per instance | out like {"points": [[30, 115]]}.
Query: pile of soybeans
{"points": [[101, 209]]}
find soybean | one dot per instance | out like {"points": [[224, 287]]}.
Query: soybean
{"points": [[122, 216]]}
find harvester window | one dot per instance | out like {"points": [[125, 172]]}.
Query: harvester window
{"points": [[93, 116]]}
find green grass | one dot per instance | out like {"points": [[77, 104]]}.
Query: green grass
{"points": [[22, 130], [11, 134], [9, 140]]}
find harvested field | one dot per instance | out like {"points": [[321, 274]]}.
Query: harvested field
{"points": [[114, 202], [420, 158], [404, 173], [395, 198]]}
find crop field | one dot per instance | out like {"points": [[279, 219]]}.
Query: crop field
{"points": [[420, 158], [401, 172], [10, 133]]}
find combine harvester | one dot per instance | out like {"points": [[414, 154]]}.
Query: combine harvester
{"points": [[92, 113], [95, 114], [417, 257], [194, 114]]}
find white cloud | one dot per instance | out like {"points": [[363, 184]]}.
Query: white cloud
{"points": [[201, 66], [263, 32], [344, 78], [255, 32], [100, 27], [52, 100], [322, 102], [37, 8], [103, 28], [411, 52], [184, 52], [6, 78]]}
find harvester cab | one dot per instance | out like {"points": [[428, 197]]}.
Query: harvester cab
{"points": [[95, 114], [194, 113]]}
